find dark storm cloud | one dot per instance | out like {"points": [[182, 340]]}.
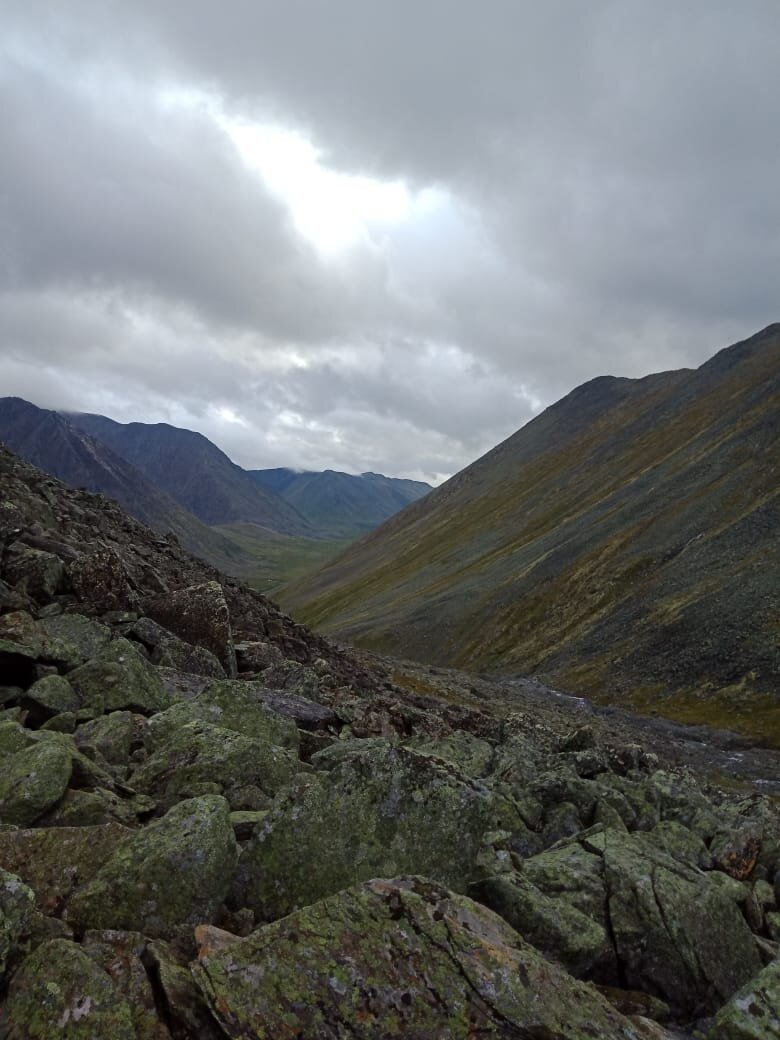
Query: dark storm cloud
{"points": [[607, 181]]}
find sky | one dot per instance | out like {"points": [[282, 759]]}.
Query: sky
{"points": [[367, 235]]}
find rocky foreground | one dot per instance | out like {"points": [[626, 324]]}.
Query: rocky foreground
{"points": [[216, 824]]}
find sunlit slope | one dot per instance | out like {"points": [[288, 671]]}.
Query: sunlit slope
{"points": [[626, 538]]}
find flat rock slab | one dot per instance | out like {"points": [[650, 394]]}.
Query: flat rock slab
{"points": [[401, 958]]}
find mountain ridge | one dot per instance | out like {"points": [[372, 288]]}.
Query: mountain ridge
{"points": [[586, 546]]}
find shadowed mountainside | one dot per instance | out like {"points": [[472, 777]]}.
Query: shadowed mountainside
{"points": [[342, 504], [50, 441], [623, 543], [197, 474]]}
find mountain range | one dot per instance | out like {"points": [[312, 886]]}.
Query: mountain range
{"points": [[177, 480], [623, 544]]}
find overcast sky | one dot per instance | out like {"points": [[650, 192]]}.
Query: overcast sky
{"points": [[378, 235]]}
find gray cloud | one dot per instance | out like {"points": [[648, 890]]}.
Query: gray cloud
{"points": [[606, 182]]}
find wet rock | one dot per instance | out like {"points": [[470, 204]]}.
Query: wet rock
{"points": [[40, 574], [100, 578], [119, 679], [172, 874], [754, 1012], [380, 811], [17, 905], [53, 862], [59, 992], [196, 754], [31, 781], [397, 958], [199, 615]]}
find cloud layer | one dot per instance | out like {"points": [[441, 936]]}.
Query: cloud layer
{"points": [[578, 189]]}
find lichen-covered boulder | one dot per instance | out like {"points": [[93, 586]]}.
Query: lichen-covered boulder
{"points": [[50, 696], [169, 651], [54, 861], [380, 811], [677, 931], [238, 699], [401, 958], [199, 615], [555, 927], [121, 954], [173, 873], [754, 1012], [33, 780], [59, 993], [198, 753], [41, 574], [114, 735], [17, 905], [119, 679], [100, 578], [472, 755], [232, 705], [73, 639]]}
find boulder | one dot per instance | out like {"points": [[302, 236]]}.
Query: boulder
{"points": [[169, 876], [33, 780], [100, 578], [195, 757], [114, 735], [169, 651], [50, 696], [118, 679], [754, 1012], [237, 706], [40, 574], [17, 905], [60, 992], [54, 861], [380, 811], [72, 639], [199, 615], [402, 958]]}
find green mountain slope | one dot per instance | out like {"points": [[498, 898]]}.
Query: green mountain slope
{"points": [[341, 504], [48, 440], [623, 543]]}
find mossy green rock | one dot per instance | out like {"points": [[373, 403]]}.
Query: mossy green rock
{"points": [[554, 926], [472, 755], [59, 993], [678, 932], [73, 638], [232, 706], [54, 861], [17, 905], [118, 679], [381, 811], [121, 954], [754, 1012], [175, 872], [199, 753], [401, 958], [32, 781], [53, 694], [113, 735]]}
